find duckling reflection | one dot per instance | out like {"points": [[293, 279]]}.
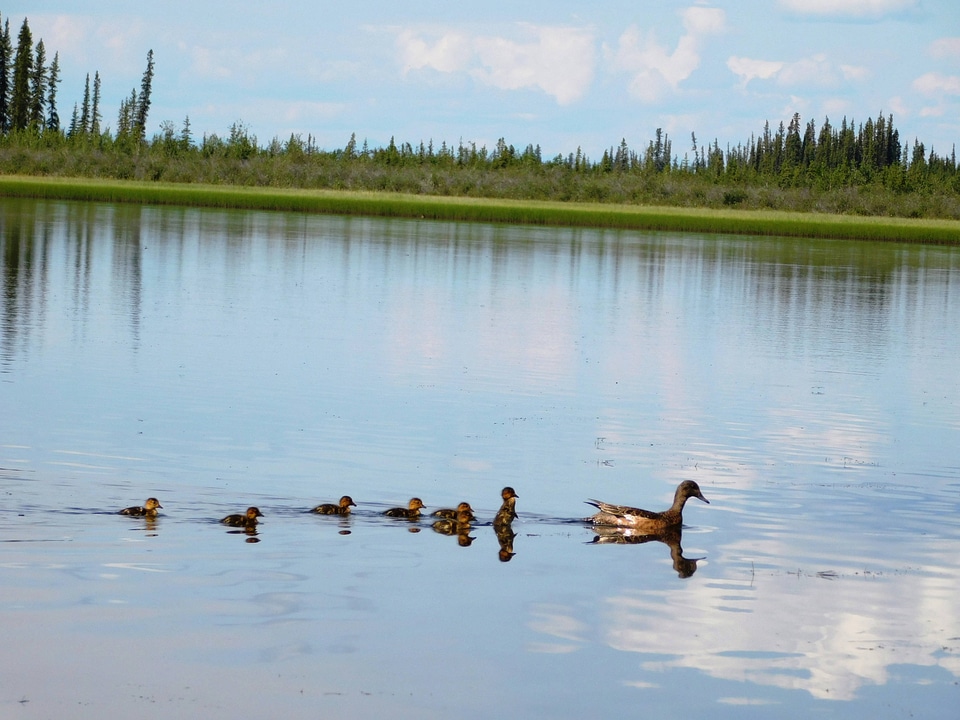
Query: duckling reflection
{"points": [[453, 513], [460, 527], [341, 508], [411, 512], [149, 509], [505, 536], [612, 535]]}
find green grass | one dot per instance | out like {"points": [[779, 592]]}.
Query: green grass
{"points": [[385, 204]]}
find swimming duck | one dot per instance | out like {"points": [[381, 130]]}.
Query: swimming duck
{"points": [[507, 511], [453, 513], [458, 526], [645, 520], [148, 510], [411, 512], [247, 519], [342, 508]]}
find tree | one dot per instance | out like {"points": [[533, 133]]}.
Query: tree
{"points": [[142, 106], [84, 127], [22, 64], [38, 88], [53, 118], [95, 106], [6, 63]]}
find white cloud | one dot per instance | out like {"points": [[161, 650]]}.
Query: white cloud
{"points": [[855, 73], [948, 47], [935, 84], [816, 70], [449, 53], [655, 69], [748, 69], [560, 61], [849, 8]]}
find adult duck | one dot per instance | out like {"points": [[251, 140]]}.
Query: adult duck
{"points": [[247, 519], [149, 509], [411, 512], [646, 520], [341, 508]]}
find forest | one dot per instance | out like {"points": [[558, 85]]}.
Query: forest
{"points": [[862, 168]]}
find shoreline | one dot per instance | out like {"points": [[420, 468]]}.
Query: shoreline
{"points": [[469, 209]]}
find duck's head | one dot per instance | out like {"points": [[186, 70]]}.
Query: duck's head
{"points": [[688, 489], [464, 517], [253, 513], [347, 501], [464, 507], [415, 504], [507, 493], [152, 504]]}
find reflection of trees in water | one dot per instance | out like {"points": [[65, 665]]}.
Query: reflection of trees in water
{"points": [[37, 236]]}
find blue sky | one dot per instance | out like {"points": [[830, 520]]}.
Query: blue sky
{"points": [[555, 73]]}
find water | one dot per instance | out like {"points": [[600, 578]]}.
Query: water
{"points": [[223, 359]]}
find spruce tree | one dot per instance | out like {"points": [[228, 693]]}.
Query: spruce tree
{"points": [[84, 126], [142, 106], [95, 116], [22, 65], [6, 64], [38, 87], [53, 118]]}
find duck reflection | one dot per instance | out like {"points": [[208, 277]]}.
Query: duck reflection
{"points": [[612, 535], [460, 527]]}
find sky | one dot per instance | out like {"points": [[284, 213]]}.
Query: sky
{"points": [[552, 73]]}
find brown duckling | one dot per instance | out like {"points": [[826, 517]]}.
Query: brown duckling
{"points": [[247, 519], [341, 508], [454, 513], [645, 520], [149, 509], [508, 510], [458, 526], [411, 512]]}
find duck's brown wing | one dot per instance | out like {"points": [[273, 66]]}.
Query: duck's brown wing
{"points": [[622, 510]]}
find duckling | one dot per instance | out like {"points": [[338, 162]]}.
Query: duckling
{"points": [[149, 509], [411, 512], [458, 526], [342, 508], [507, 511], [453, 513], [247, 519], [645, 520]]}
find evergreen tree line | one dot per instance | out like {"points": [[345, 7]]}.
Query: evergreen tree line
{"points": [[28, 95], [864, 168]]}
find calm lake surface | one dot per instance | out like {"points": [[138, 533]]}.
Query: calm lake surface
{"points": [[217, 360]]}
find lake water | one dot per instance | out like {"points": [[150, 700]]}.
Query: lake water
{"points": [[217, 360]]}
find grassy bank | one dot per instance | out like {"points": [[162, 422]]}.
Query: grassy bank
{"points": [[385, 204]]}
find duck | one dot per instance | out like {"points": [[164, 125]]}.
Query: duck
{"points": [[454, 513], [646, 520], [508, 510], [411, 512], [247, 519], [149, 509], [341, 508], [457, 526]]}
